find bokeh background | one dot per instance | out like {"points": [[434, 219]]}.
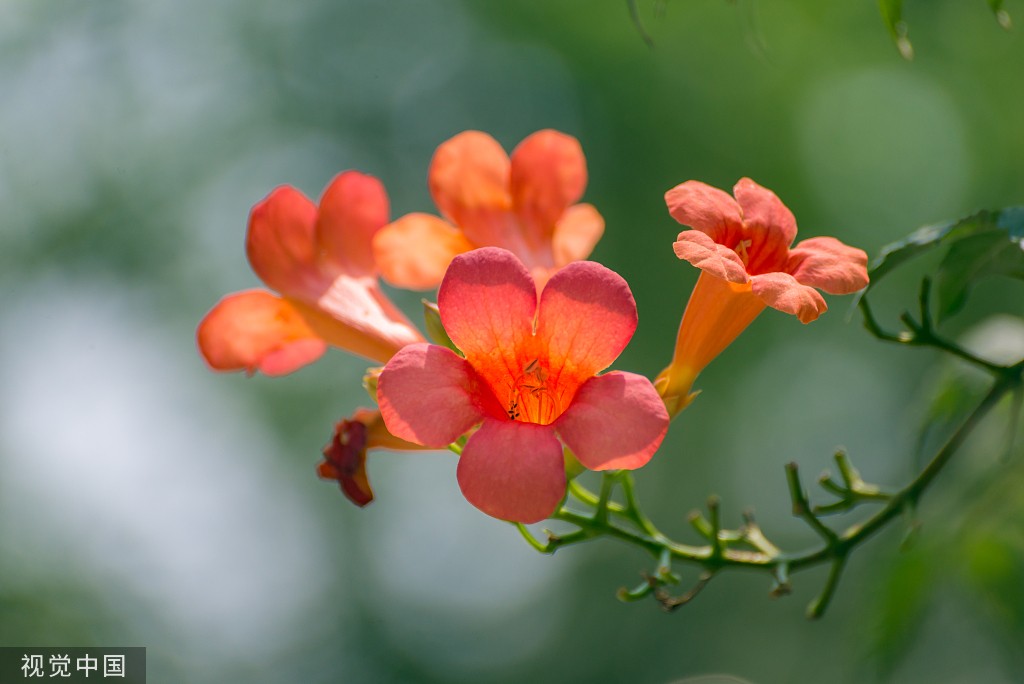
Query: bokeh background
{"points": [[147, 501]]}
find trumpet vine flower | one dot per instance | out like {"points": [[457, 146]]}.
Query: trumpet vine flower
{"points": [[526, 204], [320, 260], [742, 247], [345, 454], [528, 377]]}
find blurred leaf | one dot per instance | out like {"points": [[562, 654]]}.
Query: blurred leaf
{"points": [[991, 252], [1002, 16], [1008, 223], [995, 566], [903, 599], [892, 15], [955, 395]]}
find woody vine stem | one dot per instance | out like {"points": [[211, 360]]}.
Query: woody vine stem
{"points": [[596, 515]]}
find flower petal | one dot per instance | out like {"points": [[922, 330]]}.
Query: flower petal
{"points": [[769, 226], [706, 209], [430, 396], [577, 233], [709, 256], [487, 302], [617, 420], [587, 317], [354, 206], [414, 251], [468, 180], [828, 264], [256, 330], [513, 471], [280, 241], [548, 175], [782, 291]]}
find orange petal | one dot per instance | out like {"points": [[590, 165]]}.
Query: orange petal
{"points": [[548, 175], [709, 256], [354, 206], [828, 264], [414, 251], [782, 291], [706, 209], [577, 233], [468, 180], [280, 243], [255, 330]]}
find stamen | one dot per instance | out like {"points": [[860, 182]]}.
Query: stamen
{"points": [[741, 249]]}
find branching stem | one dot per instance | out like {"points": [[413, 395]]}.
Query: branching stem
{"points": [[747, 546]]}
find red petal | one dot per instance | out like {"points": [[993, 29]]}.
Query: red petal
{"points": [[782, 291], [430, 396], [256, 330], [280, 243], [513, 471], [707, 209], [828, 264], [468, 180], [769, 226], [616, 421], [487, 302], [587, 317], [709, 256], [354, 206], [548, 175]]}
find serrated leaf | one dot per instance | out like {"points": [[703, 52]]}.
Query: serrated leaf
{"points": [[1010, 221]]}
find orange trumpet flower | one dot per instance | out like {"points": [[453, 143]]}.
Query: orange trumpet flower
{"points": [[320, 260], [742, 247], [526, 204]]}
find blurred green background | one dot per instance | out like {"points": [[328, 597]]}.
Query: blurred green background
{"points": [[146, 501]]}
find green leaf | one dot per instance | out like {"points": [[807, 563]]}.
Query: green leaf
{"points": [[892, 15], [1007, 224], [987, 253]]}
